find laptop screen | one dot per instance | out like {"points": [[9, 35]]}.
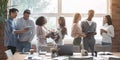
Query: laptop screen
{"points": [[66, 50]]}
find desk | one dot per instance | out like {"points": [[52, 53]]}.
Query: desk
{"points": [[18, 56]]}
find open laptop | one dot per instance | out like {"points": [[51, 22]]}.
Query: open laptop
{"points": [[65, 50]]}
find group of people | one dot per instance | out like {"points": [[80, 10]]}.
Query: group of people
{"points": [[86, 30], [20, 32]]}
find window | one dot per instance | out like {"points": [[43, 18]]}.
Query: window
{"points": [[52, 9], [82, 6]]}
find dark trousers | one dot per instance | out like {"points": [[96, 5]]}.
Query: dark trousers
{"points": [[77, 41], [13, 49]]}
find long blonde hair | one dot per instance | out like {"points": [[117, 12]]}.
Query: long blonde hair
{"points": [[76, 16]]}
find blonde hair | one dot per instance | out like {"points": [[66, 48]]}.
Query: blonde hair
{"points": [[76, 16]]}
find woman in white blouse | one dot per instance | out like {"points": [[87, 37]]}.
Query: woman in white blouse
{"points": [[62, 30], [42, 32], [107, 31], [76, 31]]}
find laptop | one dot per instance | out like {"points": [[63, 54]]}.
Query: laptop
{"points": [[65, 50]]}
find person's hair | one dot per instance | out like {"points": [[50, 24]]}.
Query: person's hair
{"points": [[62, 19], [40, 21], [62, 26], [12, 10], [76, 16], [91, 11], [27, 11], [109, 20]]}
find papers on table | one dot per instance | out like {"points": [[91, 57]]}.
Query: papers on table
{"points": [[33, 57], [9, 53], [105, 53], [61, 58]]}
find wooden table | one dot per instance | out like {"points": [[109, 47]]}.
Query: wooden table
{"points": [[18, 56]]}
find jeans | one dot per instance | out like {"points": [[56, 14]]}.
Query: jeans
{"points": [[107, 46], [24, 46], [104, 43]]}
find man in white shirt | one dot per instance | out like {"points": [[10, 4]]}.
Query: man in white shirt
{"points": [[24, 42]]}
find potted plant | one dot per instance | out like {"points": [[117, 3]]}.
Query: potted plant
{"points": [[3, 16]]}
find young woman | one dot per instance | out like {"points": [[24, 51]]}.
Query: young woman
{"points": [[62, 30], [107, 31], [76, 30], [42, 32]]}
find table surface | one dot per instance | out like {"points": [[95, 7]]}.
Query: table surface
{"points": [[18, 56]]}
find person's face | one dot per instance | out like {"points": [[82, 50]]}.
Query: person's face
{"points": [[105, 20], [79, 18], [91, 14], [26, 15], [14, 14], [59, 21], [45, 21]]}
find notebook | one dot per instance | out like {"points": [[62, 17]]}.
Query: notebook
{"points": [[65, 50]]}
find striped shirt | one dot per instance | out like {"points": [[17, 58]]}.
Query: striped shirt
{"points": [[10, 38]]}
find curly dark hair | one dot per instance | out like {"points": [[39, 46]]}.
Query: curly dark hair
{"points": [[41, 21]]}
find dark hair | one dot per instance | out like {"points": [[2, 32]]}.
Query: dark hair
{"points": [[27, 11], [109, 20], [62, 24], [40, 21], [12, 10], [92, 11]]}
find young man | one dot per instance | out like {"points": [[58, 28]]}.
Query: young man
{"points": [[89, 28], [25, 39], [11, 32]]}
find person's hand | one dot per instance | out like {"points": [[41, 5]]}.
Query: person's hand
{"points": [[82, 35], [47, 36], [91, 33], [25, 29], [103, 31]]}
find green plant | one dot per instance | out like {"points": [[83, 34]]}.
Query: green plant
{"points": [[3, 10]]}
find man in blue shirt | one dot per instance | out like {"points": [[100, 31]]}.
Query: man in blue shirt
{"points": [[11, 32]]}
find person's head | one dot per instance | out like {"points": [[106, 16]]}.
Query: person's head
{"points": [[90, 14], [107, 19], [77, 17], [61, 21], [26, 14], [13, 12], [41, 21]]}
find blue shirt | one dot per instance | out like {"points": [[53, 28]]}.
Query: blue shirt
{"points": [[10, 37], [28, 36]]}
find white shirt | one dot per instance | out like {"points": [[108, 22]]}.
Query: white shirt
{"points": [[107, 37], [89, 22]]}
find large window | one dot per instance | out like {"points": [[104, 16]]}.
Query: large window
{"points": [[52, 9]]}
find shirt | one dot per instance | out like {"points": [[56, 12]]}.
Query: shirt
{"points": [[10, 38], [89, 22], [76, 30], [21, 23], [41, 35], [107, 37]]}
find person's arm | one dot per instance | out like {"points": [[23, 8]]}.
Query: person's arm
{"points": [[94, 33], [33, 32], [110, 31], [17, 23], [74, 32], [40, 34], [21, 31]]}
